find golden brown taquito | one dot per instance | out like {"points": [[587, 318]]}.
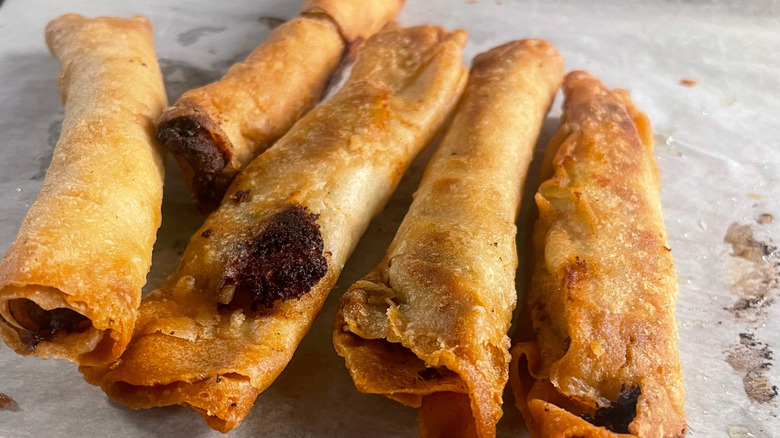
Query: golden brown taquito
{"points": [[216, 130], [604, 362], [70, 285], [357, 19], [256, 274], [428, 326]]}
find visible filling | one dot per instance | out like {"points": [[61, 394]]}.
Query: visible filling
{"points": [[283, 261], [44, 325], [618, 415], [187, 138]]}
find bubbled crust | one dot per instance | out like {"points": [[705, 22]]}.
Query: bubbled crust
{"points": [[86, 242], [443, 296], [604, 288], [340, 163]]}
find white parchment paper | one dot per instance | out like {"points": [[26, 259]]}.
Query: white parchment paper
{"points": [[718, 152]]}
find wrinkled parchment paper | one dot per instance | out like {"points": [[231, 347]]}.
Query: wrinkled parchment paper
{"points": [[717, 148]]}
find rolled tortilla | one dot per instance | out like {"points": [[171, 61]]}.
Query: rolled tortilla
{"points": [[428, 326], [256, 274], [70, 285], [602, 299], [357, 19], [217, 130]]}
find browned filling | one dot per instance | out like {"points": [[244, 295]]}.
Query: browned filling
{"points": [[189, 139], [618, 415], [44, 325], [283, 261]]}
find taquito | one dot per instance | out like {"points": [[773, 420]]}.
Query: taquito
{"points": [[216, 130], [254, 277], [70, 285], [428, 326], [604, 362]]}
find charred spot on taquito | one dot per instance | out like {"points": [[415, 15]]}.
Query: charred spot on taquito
{"points": [[240, 196], [617, 416], [283, 261], [187, 138], [39, 324]]}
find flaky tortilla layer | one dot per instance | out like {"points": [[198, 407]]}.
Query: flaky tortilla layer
{"points": [[603, 294], [254, 277], [70, 285], [428, 326]]}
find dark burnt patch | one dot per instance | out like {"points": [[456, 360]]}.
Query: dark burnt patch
{"points": [[43, 325], [187, 138], [206, 233], [283, 261], [618, 415]]}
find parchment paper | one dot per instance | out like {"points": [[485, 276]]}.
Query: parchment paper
{"points": [[718, 152]]}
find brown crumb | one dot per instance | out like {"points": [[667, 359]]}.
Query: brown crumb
{"points": [[688, 82], [5, 401]]}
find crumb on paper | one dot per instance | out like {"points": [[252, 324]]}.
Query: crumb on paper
{"points": [[688, 82], [755, 196], [765, 218], [704, 226], [5, 401]]}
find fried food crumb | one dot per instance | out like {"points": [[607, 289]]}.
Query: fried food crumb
{"points": [[5, 401]]}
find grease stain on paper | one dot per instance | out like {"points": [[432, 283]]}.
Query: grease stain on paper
{"points": [[191, 37], [755, 281], [757, 277], [181, 76], [668, 144], [271, 22], [44, 160], [753, 358]]}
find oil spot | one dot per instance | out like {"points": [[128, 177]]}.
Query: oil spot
{"points": [[753, 358], [271, 22], [668, 144], [765, 218], [755, 280], [687, 82], [192, 36], [740, 432]]}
